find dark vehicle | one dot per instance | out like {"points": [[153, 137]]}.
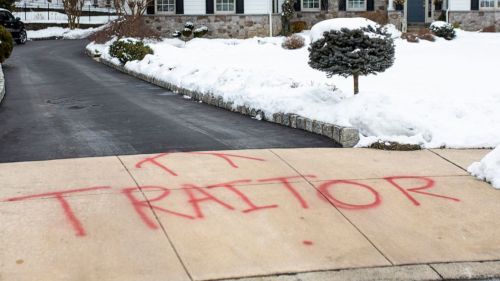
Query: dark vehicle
{"points": [[14, 25]]}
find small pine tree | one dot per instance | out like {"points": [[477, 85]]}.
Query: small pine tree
{"points": [[352, 52], [286, 15]]}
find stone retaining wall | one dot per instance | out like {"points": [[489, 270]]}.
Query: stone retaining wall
{"points": [[345, 136], [475, 20], [219, 26]]}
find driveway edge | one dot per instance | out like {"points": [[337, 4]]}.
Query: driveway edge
{"points": [[345, 136], [2, 84]]}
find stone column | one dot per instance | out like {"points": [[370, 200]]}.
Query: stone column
{"points": [[390, 7]]}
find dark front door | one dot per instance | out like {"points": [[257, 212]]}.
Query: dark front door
{"points": [[416, 11]]}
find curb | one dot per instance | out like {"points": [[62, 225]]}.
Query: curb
{"points": [[2, 85], [345, 136], [418, 272]]}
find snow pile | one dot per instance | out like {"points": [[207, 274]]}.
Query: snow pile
{"points": [[337, 24], [59, 32], [488, 169], [440, 24], [436, 93]]}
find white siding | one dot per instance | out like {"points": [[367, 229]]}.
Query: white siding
{"points": [[257, 6], [280, 2], [459, 5], [194, 7]]}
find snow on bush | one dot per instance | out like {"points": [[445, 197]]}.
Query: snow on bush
{"points": [[293, 42], [488, 169], [436, 93], [443, 29], [338, 24], [129, 50]]}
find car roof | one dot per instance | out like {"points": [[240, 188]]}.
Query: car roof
{"points": [[2, 9]]}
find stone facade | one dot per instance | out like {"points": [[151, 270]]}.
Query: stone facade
{"points": [[396, 18], [245, 26], [219, 26], [475, 20], [311, 18]]}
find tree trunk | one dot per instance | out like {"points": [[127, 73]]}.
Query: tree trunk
{"points": [[285, 24], [356, 83]]}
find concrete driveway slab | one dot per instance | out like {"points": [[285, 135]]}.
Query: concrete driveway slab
{"points": [[25, 178], [205, 168], [462, 157], [39, 240], [362, 163], [423, 219], [223, 239]]}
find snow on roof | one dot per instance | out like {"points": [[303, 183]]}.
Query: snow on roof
{"points": [[2, 9], [337, 24]]}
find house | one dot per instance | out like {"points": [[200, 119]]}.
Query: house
{"points": [[474, 14], [248, 18]]}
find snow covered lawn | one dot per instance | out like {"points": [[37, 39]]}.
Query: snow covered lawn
{"points": [[59, 32], [443, 93]]}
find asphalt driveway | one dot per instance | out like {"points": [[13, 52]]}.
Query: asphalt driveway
{"points": [[62, 104]]}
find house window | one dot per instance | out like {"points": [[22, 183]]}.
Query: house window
{"points": [[356, 5], [225, 6], [310, 5], [165, 6], [487, 4]]}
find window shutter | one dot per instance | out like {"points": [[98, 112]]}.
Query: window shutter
{"points": [[324, 5], [209, 6], [297, 5], [150, 8], [179, 7], [474, 5], [240, 6], [342, 5], [370, 5]]}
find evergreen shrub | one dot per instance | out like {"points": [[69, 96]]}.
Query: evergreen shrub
{"points": [[6, 44], [128, 50], [443, 29]]}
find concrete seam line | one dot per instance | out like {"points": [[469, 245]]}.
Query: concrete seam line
{"points": [[345, 136]]}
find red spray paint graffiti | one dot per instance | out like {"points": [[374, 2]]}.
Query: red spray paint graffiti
{"points": [[225, 156], [428, 183], [325, 190], [59, 196], [195, 196]]}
